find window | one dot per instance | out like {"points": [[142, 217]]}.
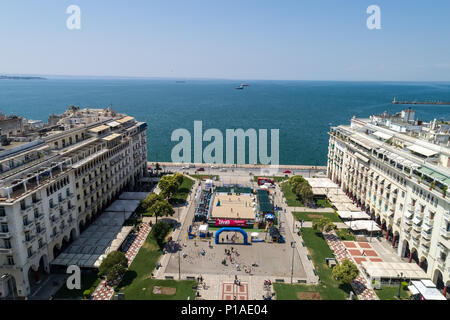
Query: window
{"points": [[22, 204], [4, 227], [2, 211], [30, 252], [10, 260], [77, 185], [7, 244]]}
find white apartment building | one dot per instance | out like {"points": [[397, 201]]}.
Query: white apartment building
{"points": [[398, 171], [53, 187]]}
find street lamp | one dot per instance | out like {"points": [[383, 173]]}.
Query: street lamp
{"points": [[292, 269], [400, 284]]}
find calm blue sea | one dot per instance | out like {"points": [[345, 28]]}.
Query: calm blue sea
{"points": [[302, 110]]}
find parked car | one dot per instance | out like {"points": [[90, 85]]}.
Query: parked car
{"points": [[223, 170], [287, 171], [200, 169]]}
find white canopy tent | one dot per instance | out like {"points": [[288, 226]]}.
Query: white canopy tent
{"points": [[363, 225], [353, 215], [393, 270], [427, 289], [382, 135], [421, 150]]}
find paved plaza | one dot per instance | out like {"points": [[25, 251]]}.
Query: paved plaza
{"points": [[274, 260]]}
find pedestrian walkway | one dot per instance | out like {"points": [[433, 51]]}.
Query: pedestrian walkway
{"points": [[289, 223], [360, 284], [105, 291]]}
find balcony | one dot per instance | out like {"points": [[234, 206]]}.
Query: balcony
{"points": [[416, 242], [447, 215], [415, 234], [5, 234], [39, 216], [8, 265], [41, 231], [425, 246], [54, 219], [411, 208], [25, 209], [62, 200], [4, 219], [417, 227], [6, 250], [441, 263], [428, 221], [63, 212], [37, 202], [426, 235], [54, 206], [445, 233], [29, 240], [407, 220], [55, 235], [419, 213]]}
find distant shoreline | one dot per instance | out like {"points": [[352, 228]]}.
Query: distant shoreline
{"points": [[21, 78]]}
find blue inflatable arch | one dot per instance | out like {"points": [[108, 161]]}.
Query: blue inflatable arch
{"points": [[231, 229]]}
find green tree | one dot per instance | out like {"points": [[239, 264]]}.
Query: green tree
{"points": [[345, 272], [150, 200], [160, 231], [115, 272], [323, 224], [161, 208], [113, 259], [295, 181], [179, 178], [169, 186]]}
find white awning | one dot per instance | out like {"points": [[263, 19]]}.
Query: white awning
{"points": [[408, 214], [413, 290], [382, 135], [427, 291], [353, 215], [423, 151], [417, 220], [361, 157]]}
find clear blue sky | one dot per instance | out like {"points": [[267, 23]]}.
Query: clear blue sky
{"points": [[245, 39]]}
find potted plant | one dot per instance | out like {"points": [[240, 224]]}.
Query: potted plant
{"points": [[444, 191], [432, 185], [418, 180]]}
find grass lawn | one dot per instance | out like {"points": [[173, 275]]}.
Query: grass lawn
{"points": [[310, 216], [205, 176], [183, 192], [329, 289], [275, 178], [137, 283], [291, 198], [390, 293], [323, 203], [345, 235], [88, 281]]}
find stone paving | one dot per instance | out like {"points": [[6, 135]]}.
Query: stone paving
{"points": [[360, 284], [105, 291]]}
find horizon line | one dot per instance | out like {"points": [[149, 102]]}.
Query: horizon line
{"points": [[63, 76]]}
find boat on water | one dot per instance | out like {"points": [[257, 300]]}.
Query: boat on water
{"points": [[241, 87], [432, 102], [245, 85]]}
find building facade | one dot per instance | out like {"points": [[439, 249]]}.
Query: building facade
{"points": [[52, 187], [397, 170]]}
